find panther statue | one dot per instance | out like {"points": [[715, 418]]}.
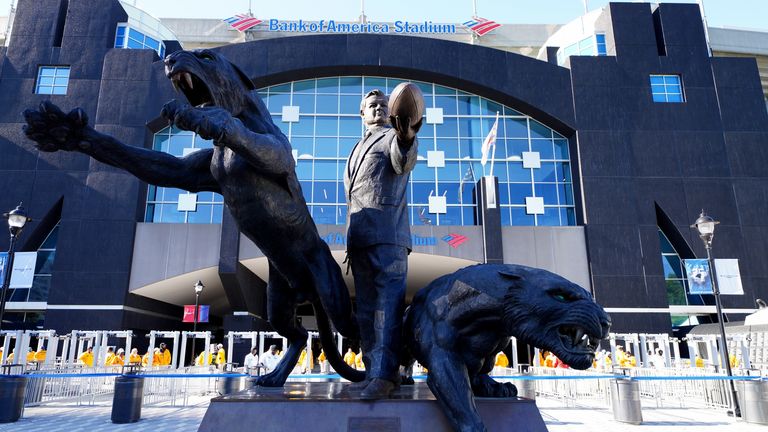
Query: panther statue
{"points": [[457, 324], [251, 165]]}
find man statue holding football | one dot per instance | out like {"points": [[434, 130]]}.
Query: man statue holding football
{"points": [[378, 236]]}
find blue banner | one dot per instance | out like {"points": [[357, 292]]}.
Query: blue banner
{"points": [[699, 276], [202, 314]]}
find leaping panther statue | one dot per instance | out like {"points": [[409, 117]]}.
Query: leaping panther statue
{"points": [[251, 165], [457, 324]]}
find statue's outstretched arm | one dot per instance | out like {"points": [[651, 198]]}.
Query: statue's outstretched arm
{"points": [[267, 153], [53, 130]]}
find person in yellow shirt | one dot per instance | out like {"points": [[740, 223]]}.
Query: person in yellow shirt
{"points": [[733, 360], [31, 356], [550, 360], [699, 361], [110, 356], [155, 358], [221, 356], [349, 357], [501, 360], [39, 355], [200, 359], [630, 360], [608, 361], [542, 357], [1, 355], [86, 358], [620, 356], [165, 359], [302, 362], [323, 361], [119, 359], [134, 358], [359, 361]]}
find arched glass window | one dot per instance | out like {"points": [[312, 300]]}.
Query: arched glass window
{"points": [[321, 118]]}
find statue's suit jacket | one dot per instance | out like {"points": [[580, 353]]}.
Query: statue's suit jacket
{"points": [[375, 181]]}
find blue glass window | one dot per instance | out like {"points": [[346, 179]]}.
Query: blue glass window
{"points": [[52, 80], [163, 203], [593, 45], [329, 126], [667, 88], [130, 38]]}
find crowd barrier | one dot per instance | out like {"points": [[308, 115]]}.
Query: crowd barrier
{"points": [[624, 390]]}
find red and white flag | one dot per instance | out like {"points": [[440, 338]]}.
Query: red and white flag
{"points": [[490, 140]]}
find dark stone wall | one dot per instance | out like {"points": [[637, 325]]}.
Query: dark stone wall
{"points": [[99, 204], [635, 153]]}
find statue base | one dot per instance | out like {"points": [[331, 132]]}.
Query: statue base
{"points": [[328, 406]]}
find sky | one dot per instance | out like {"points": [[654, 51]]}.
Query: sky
{"points": [[749, 14]]}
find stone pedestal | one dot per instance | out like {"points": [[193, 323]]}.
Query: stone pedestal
{"points": [[328, 407]]}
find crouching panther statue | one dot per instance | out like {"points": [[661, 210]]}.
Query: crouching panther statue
{"points": [[457, 324], [251, 165]]}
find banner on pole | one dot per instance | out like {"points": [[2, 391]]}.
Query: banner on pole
{"points": [[202, 313], [23, 273], [728, 277], [699, 280]]}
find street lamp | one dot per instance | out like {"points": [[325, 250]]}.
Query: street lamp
{"points": [[198, 289], [17, 218], [705, 225]]}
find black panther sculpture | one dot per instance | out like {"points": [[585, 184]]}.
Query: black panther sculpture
{"points": [[251, 165], [457, 324]]}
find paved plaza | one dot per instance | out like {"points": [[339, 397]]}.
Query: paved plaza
{"points": [[558, 416]]}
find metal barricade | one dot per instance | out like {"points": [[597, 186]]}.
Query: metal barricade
{"points": [[584, 392]]}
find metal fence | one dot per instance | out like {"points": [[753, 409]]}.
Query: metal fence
{"points": [[81, 386], [667, 387], [89, 386]]}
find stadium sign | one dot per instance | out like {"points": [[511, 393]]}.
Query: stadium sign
{"points": [[332, 26]]}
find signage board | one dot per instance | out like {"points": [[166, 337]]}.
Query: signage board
{"points": [[23, 268]]}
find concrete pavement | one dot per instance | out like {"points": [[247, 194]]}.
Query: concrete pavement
{"points": [[558, 416]]}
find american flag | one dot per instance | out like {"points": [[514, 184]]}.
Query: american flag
{"points": [[242, 22], [481, 26], [490, 140]]}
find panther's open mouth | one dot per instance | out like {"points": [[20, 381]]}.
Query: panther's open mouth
{"points": [[195, 89], [576, 339]]}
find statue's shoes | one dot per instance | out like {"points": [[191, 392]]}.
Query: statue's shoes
{"points": [[377, 389], [358, 386]]}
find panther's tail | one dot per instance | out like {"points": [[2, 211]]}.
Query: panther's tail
{"points": [[331, 352]]}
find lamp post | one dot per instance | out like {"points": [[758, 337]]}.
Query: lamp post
{"points": [[17, 218], [198, 289], [705, 225]]}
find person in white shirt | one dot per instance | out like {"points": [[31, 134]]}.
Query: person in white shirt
{"points": [[271, 359], [251, 360]]}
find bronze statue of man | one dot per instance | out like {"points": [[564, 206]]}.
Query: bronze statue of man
{"points": [[379, 237]]}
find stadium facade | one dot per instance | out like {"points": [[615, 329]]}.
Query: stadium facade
{"points": [[614, 131]]}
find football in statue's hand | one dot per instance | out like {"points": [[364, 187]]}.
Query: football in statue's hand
{"points": [[407, 101]]}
